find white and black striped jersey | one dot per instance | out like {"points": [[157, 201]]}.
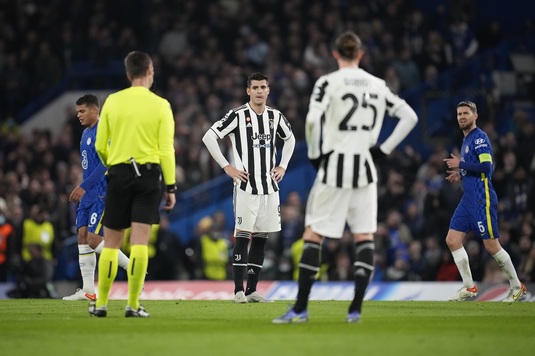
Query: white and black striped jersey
{"points": [[253, 140], [346, 112]]}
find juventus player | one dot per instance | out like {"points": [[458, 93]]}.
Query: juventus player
{"points": [[345, 116], [253, 129]]}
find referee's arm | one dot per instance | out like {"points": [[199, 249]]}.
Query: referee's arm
{"points": [[166, 134], [102, 137]]}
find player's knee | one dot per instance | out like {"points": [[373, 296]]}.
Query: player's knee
{"points": [[311, 236], [453, 243], [93, 240]]}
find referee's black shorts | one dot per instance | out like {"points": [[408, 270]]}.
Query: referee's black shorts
{"points": [[130, 198]]}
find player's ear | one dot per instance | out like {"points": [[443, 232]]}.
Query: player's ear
{"points": [[360, 55], [335, 54]]}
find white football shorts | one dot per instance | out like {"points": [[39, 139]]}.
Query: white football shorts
{"points": [[256, 213], [329, 208]]}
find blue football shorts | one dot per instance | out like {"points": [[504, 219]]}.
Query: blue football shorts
{"points": [[90, 215], [480, 219]]}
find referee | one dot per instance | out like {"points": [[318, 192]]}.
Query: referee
{"points": [[135, 141]]}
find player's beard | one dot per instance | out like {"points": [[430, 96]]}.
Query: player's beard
{"points": [[466, 125]]}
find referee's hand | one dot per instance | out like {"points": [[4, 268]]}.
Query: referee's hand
{"points": [[170, 201]]}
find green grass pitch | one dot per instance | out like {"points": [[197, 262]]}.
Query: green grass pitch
{"points": [[56, 327]]}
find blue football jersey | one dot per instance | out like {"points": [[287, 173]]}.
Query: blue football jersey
{"points": [[478, 189], [90, 161]]}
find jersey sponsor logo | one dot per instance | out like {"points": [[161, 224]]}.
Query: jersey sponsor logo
{"points": [[261, 145], [258, 136], [261, 137], [85, 161], [481, 145], [479, 141]]}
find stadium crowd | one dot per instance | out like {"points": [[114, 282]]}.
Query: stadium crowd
{"points": [[202, 52]]}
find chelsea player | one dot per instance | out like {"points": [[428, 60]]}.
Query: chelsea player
{"points": [[90, 196], [477, 210]]}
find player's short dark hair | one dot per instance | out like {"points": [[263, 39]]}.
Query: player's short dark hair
{"points": [[136, 64], [470, 104], [257, 76], [88, 100], [348, 45]]}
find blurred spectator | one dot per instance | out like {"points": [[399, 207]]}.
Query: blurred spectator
{"points": [[7, 243], [212, 252], [526, 268], [399, 238], [38, 230], [461, 41], [391, 78], [338, 256], [416, 261], [394, 196], [169, 257], [447, 269], [477, 263], [292, 227], [435, 53], [407, 70], [490, 35], [34, 275], [432, 258], [174, 41], [493, 273], [414, 219]]}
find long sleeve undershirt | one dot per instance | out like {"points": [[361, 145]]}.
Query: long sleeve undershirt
{"points": [[480, 167], [97, 173]]}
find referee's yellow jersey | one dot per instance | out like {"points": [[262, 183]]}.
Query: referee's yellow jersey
{"points": [[136, 123]]}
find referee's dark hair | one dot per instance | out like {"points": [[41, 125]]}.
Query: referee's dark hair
{"points": [[348, 45], [469, 104], [88, 100], [257, 76], [136, 64]]}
